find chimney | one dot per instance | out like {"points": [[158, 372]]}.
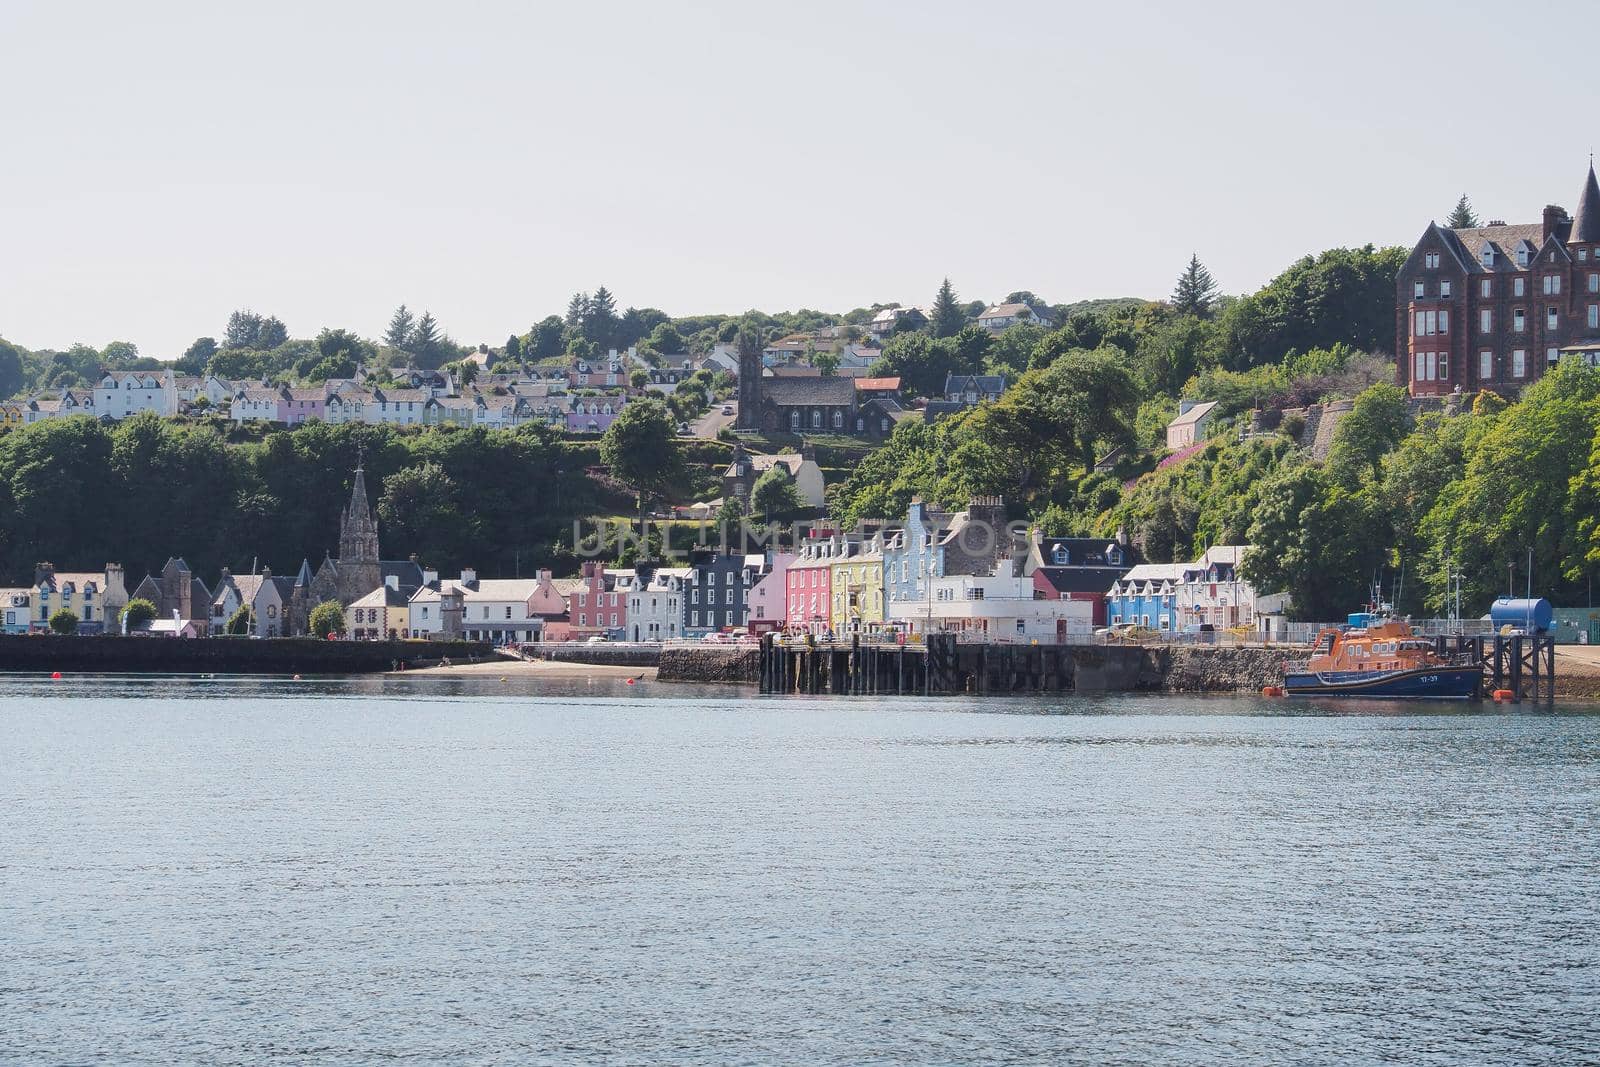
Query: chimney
{"points": [[1554, 216], [469, 577], [43, 572], [430, 577], [392, 581], [1184, 406]]}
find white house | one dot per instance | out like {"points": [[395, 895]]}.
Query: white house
{"points": [[998, 607], [398, 407], [351, 405], [121, 394], [655, 604], [256, 403], [500, 610], [1191, 425], [997, 318]]}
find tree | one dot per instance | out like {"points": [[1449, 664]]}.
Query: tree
{"points": [[1195, 291], [11, 372], [196, 356], [1318, 541], [241, 622], [273, 333], [402, 327], [639, 378], [244, 330], [426, 339], [948, 316], [135, 614], [577, 310], [64, 623], [513, 348], [641, 447], [1461, 217], [1372, 429], [827, 363], [600, 319], [544, 340], [119, 354], [774, 494], [327, 618], [666, 339]]}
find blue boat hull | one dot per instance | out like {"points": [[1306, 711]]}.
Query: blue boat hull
{"points": [[1423, 683]]}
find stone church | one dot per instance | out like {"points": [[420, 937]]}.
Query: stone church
{"points": [[359, 569]]}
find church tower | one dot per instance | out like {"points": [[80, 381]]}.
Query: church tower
{"points": [[359, 571], [750, 370]]}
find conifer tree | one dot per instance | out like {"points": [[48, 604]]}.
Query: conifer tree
{"points": [[401, 326], [1462, 217], [1195, 291], [948, 316], [577, 308], [425, 340]]}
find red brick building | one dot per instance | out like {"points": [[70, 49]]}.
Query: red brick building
{"points": [[1493, 306]]}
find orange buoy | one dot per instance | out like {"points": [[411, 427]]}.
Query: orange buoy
{"points": [[632, 681], [1504, 694], [1272, 691], [55, 676]]}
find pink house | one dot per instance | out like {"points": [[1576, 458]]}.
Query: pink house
{"points": [[297, 405], [594, 414], [594, 605], [767, 602]]}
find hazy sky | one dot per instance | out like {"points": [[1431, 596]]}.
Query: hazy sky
{"points": [[167, 163]]}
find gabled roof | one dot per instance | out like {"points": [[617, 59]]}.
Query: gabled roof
{"points": [[1008, 311], [382, 597], [793, 392], [981, 383], [1194, 414], [873, 385]]}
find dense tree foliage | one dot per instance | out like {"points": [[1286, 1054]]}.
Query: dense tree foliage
{"points": [[327, 618], [81, 493]]}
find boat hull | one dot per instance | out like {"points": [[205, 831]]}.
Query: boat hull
{"points": [[1420, 683]]}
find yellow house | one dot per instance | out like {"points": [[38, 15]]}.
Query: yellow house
{"points": [[11, 413], [382, 614], [856, 573]]}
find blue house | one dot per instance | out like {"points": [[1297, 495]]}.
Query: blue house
{"points": [[1146, 596]]}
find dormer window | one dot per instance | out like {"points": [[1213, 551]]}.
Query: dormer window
{"points": [[1488, 257], [1060, 555], [1522, 256]]}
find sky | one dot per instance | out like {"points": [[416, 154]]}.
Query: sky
{"points": [[166, 163]]}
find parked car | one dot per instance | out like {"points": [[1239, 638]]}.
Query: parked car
{"points": [[727, 409]]}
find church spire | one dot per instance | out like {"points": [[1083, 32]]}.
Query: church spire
{"points": [[1586, 223], [358, 527]]}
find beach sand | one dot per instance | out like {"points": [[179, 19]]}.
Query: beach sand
{"points": [[513, 668]]}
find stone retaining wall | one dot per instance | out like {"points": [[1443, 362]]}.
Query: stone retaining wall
{"points": [[225, 655], [741, 665]]}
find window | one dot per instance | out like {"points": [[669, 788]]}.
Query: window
{"points": [[583, 619], [1416, 291], [1444, 366], [1427, 324], [1444, 320], [1488, 256], [816, 420], [1486, 288], [1432, 260], [1519, 363], [613, 618], [1594, 316], [694, 618], [1552, 285], [794, 420], [1552, 318], [1485, 321], [508, 611], [1444, 288], [1519, 286], [1420, 373], [1519, 321], [1552, 355], [1522, 256], [1594, 283], [1486, 365], [838, 420]]}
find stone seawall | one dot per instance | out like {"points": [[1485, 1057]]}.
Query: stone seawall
{"points": [[225, 655], [998, 669], [741, 665], [603, 654]]}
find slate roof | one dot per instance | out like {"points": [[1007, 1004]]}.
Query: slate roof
{"points": [[1080, 579], [1505, 240], [1586, 222], [1194, 414], [795, 392], [409, 574], [982, 383]]}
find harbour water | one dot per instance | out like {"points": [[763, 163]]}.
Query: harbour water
{"points": [[476, 871]]}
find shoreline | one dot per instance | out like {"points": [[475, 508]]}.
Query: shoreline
{"points": [[510, 668]]}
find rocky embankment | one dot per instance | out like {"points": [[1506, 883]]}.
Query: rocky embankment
{"points": [[740, 664], [1213, 670]]}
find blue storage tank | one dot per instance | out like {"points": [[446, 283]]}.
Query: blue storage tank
{"points": [[1518, 613]]}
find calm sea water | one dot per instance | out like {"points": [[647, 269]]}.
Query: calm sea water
{"points": [[481, 872]]}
